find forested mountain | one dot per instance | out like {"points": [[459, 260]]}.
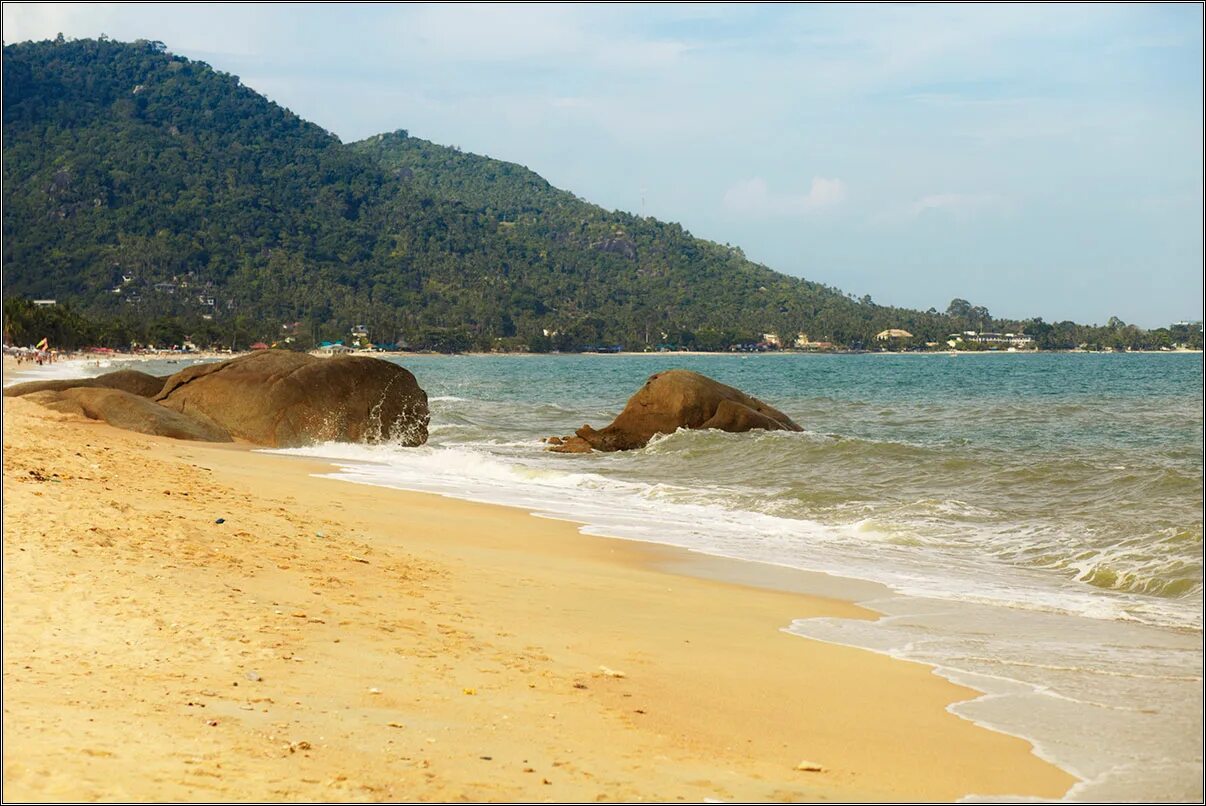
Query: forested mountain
{"points": [[147, 187], [612, 276]]}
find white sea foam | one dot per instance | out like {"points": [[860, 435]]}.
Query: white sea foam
{"points": [[706, 520], [988, 526], [59, 370], [1038, 659], [989, 513], [1097, 698]]}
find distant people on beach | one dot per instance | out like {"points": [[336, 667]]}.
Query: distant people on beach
{"points": [[40, 358]]}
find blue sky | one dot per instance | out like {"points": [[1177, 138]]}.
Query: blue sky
{"points": [[1035, 159]]}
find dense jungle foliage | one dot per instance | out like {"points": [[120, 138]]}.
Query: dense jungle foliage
{"points": [[156, 195]]}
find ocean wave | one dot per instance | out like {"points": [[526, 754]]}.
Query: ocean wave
{"points": [[59, 370], [784, 482], [924, 546], [1082, 489]]}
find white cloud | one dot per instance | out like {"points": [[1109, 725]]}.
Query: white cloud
{"points": [[36, 21], [538, 34], [244, 30], [960, 205], [570, 102], [754, 197], [900, 45], [824, 193]]}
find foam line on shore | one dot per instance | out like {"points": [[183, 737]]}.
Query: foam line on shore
{"points": [[991, 687], [951, 675], [460, 586]]}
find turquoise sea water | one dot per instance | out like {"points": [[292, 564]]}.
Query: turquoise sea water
{"points": [[1035, 519], [1085, 467]]}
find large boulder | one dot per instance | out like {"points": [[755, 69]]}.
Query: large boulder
{"points": [[127, 380], [675, 399], [128, 411], [284, 399]]}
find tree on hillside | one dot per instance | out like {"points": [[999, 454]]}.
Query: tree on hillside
{"points": [[145, 187]]}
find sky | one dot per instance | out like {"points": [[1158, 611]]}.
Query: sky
{"points": [[1039, 160]]}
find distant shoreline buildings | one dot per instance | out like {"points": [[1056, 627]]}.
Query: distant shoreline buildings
{"points": [[1015, 340]]}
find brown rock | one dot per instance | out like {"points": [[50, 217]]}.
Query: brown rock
{"points": [[128, 411], [676, 399], [570, 445], [282, 399], [127, 380]]}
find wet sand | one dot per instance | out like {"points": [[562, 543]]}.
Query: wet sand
{"points": [[330, 641]]}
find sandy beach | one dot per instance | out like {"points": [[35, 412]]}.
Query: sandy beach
{"points": [[331, 641]]}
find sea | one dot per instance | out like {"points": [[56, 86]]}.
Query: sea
{"points": [[1033, 521]]}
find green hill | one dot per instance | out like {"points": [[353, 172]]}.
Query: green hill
{"points": [[143, 185]]}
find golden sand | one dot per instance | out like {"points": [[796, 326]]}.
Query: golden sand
{"points": [[330, 641]]}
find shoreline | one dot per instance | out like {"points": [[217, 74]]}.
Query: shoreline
{"points": [[12, 368], [1001, 702], [737, 353], [481, 563]]}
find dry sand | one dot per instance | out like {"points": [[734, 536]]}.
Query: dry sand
{"points": [[330, 641]]}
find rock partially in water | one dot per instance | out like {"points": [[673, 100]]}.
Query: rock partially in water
{"points": [[570, 444], [674, 399], [285, 399]]}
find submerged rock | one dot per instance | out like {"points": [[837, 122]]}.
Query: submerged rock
{"points": [[127, 380], [674, 399], [285, 399], [128, 411]]}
